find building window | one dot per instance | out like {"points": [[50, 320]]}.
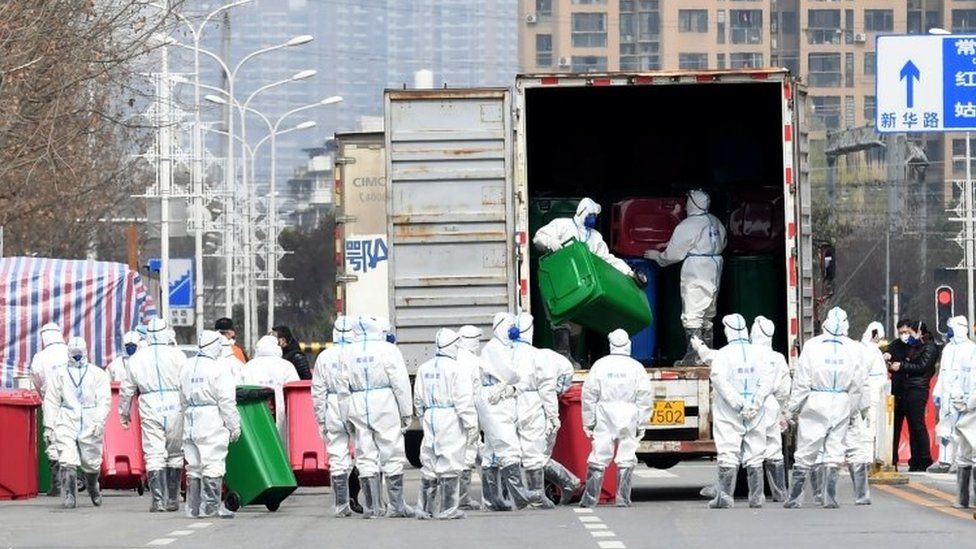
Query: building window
{"points": [[870, 60], [543, 8], [824, 70], [879, 20], [959, 155], [589, 30], [720, 25], [963, 20], [721, 60], [848, 70], [826, 112], [849, 111], [870, 108], [746, 60], [787, 22], [690, 61], [746, 26], [848, 26], [543, 50], [589, 2], [693, 20], [589, 63], [823, 27]]}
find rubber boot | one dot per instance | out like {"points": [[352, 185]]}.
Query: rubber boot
{"points": [[817, 483], [708, 491], [537, 489], [776, 475], [55, 490], [562, 343], [94, 490], [157, 489], [691, 357], [340, 495], [726, 483], [371, 496], [398, 507], [427, 503], [859, 476], [754, 475], [467, 502], [194, 497], [831, 475], [491, 490], [450, 498], [591, 492], [354, 488], [212, 506], [69, 487], [964, 477], [173, 475], [799, 479], [512, 478], [625, 477], [560, 476]]}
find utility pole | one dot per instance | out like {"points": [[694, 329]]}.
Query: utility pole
{"points": [[165, 174]]}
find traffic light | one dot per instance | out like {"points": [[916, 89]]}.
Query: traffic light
{"points": [[945, 307]]}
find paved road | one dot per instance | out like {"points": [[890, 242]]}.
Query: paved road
{"points": [[667, 513]]}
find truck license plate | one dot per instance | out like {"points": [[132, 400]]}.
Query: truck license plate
{"points": [[668, 412]]}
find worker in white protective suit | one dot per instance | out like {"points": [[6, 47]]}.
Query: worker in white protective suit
{"points": [[617, 401], [955, 358], [960, 397], [861, 433], [825, 398], [154, 374], [268, 369], [444, 401], [52, 356], [119, 367], [499, 381], [743, 380], [227, 346], [76, 404], [536, 410], [560, 371], [468, 361], [774, 405], [698, 241], [211, 422], [330, 401], [380, 410]]}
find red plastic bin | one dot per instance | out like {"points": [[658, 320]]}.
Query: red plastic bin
{"points": [[123, 463], [573, 448], [642, 224], [306, 449], [756, 221], [18, 433]]}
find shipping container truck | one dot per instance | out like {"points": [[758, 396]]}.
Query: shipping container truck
{"points": [[464, 167]]}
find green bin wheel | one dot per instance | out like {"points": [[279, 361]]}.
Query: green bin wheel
{"points": [[232, 501], [140, 489], [273, 506]]}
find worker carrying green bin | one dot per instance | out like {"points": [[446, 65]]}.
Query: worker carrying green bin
{"points": [[258, 471]]}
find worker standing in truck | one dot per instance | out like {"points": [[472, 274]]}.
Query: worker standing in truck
{"points": [[698, 241]]}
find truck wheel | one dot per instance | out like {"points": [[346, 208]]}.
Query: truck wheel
{"points": [[662, 462], [232, 501], [411, 442]]}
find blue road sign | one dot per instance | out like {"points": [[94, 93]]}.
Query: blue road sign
{"points": [[180, 281]]}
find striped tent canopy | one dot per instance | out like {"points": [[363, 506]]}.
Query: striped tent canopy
{"points": [[96, 300]]}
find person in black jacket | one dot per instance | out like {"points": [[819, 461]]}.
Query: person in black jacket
{"points": [[911, 360], [292, 351]]}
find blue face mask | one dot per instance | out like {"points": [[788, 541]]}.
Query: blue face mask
{"points": [[513, 333], [912, 340], [950, 334], [391, 338], [77, 358], [131, 349], [590, 221]]}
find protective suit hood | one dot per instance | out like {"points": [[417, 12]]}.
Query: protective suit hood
{"points": [[586, 207], [872, 327], [51, 334], [836, 323], [342, 330], [735, 328], [131, 338], [368, 328], [268, 346], [448, 343], [500, 325], [526, 326], [226, 347], [960, 329], [470, 338], [77, 346], [698, 202], [619, 343], [762, 332], [211, 344], [157, 332]]}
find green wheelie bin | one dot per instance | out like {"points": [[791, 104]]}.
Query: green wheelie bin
{"points": [[752, 286], [258, 471], [579, 286]]}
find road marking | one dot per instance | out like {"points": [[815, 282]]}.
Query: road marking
{"points": [[589, 519], [922, 502], [654, 473], [180, 533], [582, 510], [595, 526], [611, 545], [603, 534], [933, 492], [198, 525], [161, 541]]}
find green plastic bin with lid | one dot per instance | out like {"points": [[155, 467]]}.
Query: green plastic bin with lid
{"points": [[671, 339], [541, 212], [258, 471], [580, 287], [752, 285]]}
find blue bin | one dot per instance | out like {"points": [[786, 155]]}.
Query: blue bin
{"points": [[644, 343]]}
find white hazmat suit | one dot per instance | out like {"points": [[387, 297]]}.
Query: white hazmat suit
{"points": [[381, 410], [616, 404], [762, 333], [560, 371], [559, 231], [469, 365], [825, 397], [959, 396], [955, 361], [698, 241], [210, 423], [154, 374], [53, 355], [443, 399], [268, 369], [76, 406], [861, 433]]}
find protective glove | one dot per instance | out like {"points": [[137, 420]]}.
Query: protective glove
{"points": [[641, 431], [640, 278], [474, 437], [405, 422], [49, 436], [552, 426], [500, 392], [124, 420], [97, 431], [588, 431], [749, 412], [959, 404], [653, 255], [235, 435]]}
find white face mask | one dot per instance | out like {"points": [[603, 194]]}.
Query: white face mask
{"points": [[904, 338]]}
